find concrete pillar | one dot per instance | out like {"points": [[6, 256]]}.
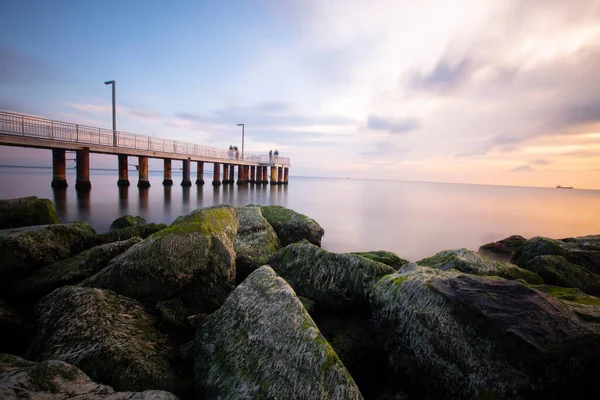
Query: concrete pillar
{"points": [[273, 175], [123, 171], [200, 173], [216, 174], [240, 180], [231, 174], [252, 174], [83, 170], [186, 173], [265, 174], [279, 175], [59, 169], [225, 174], [168, 180], [143, 172], [258, 177], [286, 173]]}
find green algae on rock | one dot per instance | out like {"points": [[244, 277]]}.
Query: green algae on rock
{"points": [[192, 258], [557, 271], [109, 337], [57, 380], [291, 226], [333, 280], [142, 231], [469, 262], [25, 249], [463, 336], [26, 211], [503, 250], [385, 257], [15, 330], [262, 344], [126, 221], [585, 306]]}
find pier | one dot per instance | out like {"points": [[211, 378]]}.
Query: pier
{"points": [[27, 131]]}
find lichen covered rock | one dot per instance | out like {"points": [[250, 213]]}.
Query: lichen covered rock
{"points": [[385, 257], [15, 330], [25, 249], [126, 221], [340, 281], [469, 262], [142, 231], [585, 306], [463, 336], [292, 227], [557, 271], [26, 211], [192, 259], [109, 337], [57, 380], [263, 344]]}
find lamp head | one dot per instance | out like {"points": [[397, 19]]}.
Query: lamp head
{"points": [[240, 124], [109, 82]]}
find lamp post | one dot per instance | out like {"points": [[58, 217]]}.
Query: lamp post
{"points": [[114, 110], [242, 125]]}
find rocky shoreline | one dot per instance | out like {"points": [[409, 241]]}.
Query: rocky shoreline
{"points": [[243, 303]]}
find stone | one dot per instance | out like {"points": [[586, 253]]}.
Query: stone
{"points": [[126, 221], [24, 249], [557, 271], [469, 262], [262, 344], [463, 336], [291, 226], [26, 211], [109, 337], [503, 250], [142, 231], [385, 257], [585, 306], [57, 380], [16, 330], [338, 281]]}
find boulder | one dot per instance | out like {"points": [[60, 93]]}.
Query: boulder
{"points": [[26, 211], [384, 257], [25, 249], [557, 271], [68, 272], [463, 336], [142, 231], [16, 330], [57, 380], [469, 262], [255, 241], [503, 250], [109, 337], [262, 344], [585, 306], [292, 227], [126, 221], [338, 281], [193, 259]]}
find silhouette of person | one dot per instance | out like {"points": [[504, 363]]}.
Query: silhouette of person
{"points": [[270, 156]]}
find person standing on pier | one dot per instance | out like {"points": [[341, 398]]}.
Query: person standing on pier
{"points": [[230, 152], [276, 154], [270, 156]]}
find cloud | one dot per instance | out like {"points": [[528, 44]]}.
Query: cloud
{"points": [[522, 168], [541, 162], [17, 67], [444, 77], [392, 125], [383, 150], [135, 113]]}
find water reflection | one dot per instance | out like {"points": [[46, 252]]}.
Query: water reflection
{"points": [[199, 197], [216, 194], [83, 203], [60, 202], [124, 199], [185, 194], [143, 205], [167, 199]]}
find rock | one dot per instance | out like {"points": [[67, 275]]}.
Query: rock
{"points": [[26, 211], [126, 221], [25, 249], [108, 336], [585, 306], [68, 272], [339, 281], [263, 344], [57, 380], [292, 227], [469, 262], [557, 271], [463, 336], [255, 241], [503, 250], [16, 330], [385, 257], [193, 259], [309, 305], [142, 231]]}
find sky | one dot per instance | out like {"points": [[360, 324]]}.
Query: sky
{"points": [[500, 92]]}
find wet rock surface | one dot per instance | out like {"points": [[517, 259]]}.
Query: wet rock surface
{"points": [[557, 271], [26, 211], [142, 231], [127, 221], [291, 226], [384, 257], [503, 250]]}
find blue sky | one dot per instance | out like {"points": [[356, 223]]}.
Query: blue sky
{"points": [[502, 92]]}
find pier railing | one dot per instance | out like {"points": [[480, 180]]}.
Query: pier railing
{"points": [[41, 128]]}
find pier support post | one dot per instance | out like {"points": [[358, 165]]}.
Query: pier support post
{"points": [[240, 180], [286, 173], [231, 174], [258, 175], [186, 181], [252, 174], [59, 169], [280, 175], [123, 171], [225, 174], [265, 175], [143, 172], [168, 175], [216, 174], [83, 170], [200, 173], [273, 175]]}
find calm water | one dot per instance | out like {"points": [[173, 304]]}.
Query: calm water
{"points": [[412, 219]]}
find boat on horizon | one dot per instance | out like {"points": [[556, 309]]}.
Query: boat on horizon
{"points": [[564, 187]]}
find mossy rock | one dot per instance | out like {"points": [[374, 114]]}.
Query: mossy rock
{"points": [[193, 260], [68, 272], [16, 330], [463, 336], [53, 379], [339, 281], [469, 262], [23, 250], [126, 221], [109, 337], [262, 344], [26, 211], [503, 250], [557, 271], [291, 226], [142, 231], [585, 306], [384, 257]]}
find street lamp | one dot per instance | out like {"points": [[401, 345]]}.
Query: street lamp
{"points": [[114, 110], [242, 125]]}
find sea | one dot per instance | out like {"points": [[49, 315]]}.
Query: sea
{"points": [[412, 219]]}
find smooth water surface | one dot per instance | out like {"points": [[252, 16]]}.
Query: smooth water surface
{"points": [[412, 219]]}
